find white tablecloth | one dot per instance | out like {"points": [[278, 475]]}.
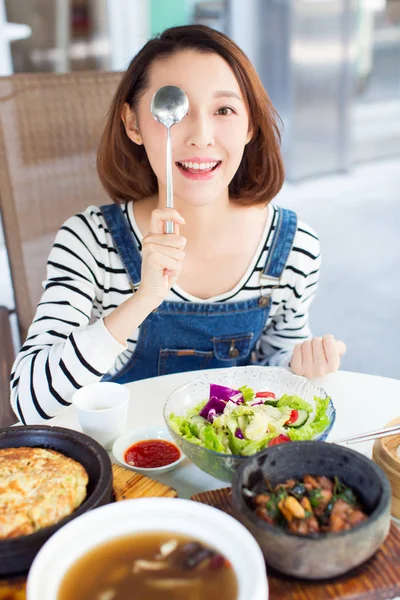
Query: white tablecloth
{"points": [[363, 403]]}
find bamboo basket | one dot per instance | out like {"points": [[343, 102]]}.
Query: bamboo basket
{"points": [[384, 454]]}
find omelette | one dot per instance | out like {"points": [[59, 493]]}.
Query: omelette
{"points": [[38, 488]]}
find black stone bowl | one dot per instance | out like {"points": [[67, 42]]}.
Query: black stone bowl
{"points": [[317, 556], [17, 554]]}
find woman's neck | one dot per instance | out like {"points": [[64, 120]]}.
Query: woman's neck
{"points": [[204, 224]]}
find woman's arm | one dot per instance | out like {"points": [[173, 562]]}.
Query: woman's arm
{"points": [[289, 327], [287, 340], [63, 351], [299, 283]]}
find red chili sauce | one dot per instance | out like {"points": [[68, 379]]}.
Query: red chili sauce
{"points": [[150, 454]]}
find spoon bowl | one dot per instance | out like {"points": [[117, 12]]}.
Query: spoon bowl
{"points": [[169, 105]]}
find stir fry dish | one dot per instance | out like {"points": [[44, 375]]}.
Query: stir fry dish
{"points": [[244, 421], [311, 506]]}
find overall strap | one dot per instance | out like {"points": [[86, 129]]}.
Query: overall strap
{"points": [[124, 241], [282, 242]]}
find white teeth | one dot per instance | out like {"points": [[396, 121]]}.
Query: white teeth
{"points": [[199, 166]]}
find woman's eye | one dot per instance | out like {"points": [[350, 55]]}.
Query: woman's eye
{"points": [[225, 111]]}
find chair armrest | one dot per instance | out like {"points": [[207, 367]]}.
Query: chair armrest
{"points": [[7, 416]]}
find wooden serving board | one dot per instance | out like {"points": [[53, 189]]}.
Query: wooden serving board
{"points": [[127, 484], [377, 579]]}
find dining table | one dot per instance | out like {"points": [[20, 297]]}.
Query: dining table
{"points": [[363, 403]]}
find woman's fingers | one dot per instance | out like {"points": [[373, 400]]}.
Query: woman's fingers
{"points": [[162, 255], [296, 364], [341, 347], [317, 357], [160, 215], [307, 357], [164, 261], [174, 253], [331, 353], [172, 240]]}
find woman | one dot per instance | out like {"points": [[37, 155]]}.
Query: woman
{"points": [[231, 286]]}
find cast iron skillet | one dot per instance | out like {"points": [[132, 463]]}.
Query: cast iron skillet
{"points": [[17, 554]]}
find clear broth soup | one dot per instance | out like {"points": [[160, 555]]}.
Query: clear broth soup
{"points": [[150, 566]]}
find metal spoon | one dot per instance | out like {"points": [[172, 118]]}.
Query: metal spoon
{"points": [[168, 106]]}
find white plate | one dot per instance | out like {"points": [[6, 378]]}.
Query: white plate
{"points": [[122, 443]]}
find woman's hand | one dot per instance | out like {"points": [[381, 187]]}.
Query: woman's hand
{"points": [[162, 256], [317, 357], [161, 264]]}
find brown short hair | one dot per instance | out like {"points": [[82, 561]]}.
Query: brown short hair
{"points": [[123, 167]]}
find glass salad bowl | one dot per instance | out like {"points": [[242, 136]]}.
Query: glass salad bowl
{"points": [[220, 461]]}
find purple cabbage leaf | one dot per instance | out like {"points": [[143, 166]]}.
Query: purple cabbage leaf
{"points": [[214, 407], [226, 393], [239, 433], [219, 396]]}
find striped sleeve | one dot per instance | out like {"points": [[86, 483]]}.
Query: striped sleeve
{"points": [[298, 286], [63, 351]]}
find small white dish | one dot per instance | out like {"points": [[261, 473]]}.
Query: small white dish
{"points": [[122, 444]]}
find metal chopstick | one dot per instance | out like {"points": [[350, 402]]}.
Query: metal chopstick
{"points": [[370, 435]]}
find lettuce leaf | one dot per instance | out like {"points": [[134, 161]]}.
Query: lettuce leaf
{"points": [[248, 393], [214, 440], [247, 447], [294, 402], [185, 428], [320, 422], [197, 430]]}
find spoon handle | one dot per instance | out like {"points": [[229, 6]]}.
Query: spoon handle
{"points": [[170, 190], [370, 435]]}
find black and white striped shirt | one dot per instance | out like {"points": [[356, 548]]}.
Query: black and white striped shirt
{"points": [[68, 345]]}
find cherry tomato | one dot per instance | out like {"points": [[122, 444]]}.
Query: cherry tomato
{"points": [[265, 395], [280, 439], [293, 417]]}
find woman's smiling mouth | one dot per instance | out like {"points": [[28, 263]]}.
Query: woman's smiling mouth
{"points": [[198, 170]]}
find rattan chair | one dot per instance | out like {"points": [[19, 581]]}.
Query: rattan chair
{"points": [[50, 126]]}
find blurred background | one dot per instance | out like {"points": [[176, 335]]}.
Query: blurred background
{"points": [[332, 69]]}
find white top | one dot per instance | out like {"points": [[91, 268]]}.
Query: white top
{"points": [[68, 345]]}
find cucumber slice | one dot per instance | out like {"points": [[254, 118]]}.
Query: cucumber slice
{"points": [[272, 401], [301, 419]]}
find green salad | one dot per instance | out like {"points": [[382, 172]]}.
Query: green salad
{"points": [[243, 421]]}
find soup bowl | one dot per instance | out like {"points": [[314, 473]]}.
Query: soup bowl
{"points": [[318, 555], [275, 379], [145, 515]]}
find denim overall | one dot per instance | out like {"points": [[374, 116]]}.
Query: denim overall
{"points": [[186, 336]]}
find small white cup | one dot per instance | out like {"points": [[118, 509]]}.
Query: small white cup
{"points": [[102, 410]]}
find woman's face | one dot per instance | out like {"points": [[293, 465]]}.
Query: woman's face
{"points": [[208, 144]]}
